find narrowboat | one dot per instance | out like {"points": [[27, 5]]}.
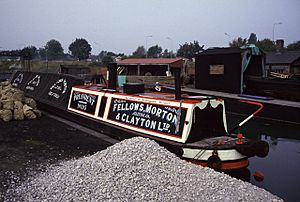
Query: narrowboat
{"points": [[193, 127]]}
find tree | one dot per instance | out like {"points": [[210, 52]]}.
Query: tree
{"points": [[80, 49], [266, 45], [294, 46], [252, 39], [28, 53], [238, 42], [112, 54], [140, 52], [53, 50], [188, 50], [167, 54], [102, 54], [154, 51], [106, 53], [42, 53], [107, 59]]}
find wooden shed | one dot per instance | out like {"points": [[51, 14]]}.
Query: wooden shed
{"points": [[149, 66], [224, 69]]}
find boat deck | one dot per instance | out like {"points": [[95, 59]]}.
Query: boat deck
{"points": [[283, 110], [236, 96], [146, 94], [221, 142]]}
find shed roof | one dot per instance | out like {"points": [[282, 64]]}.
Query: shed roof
{"points": [[286, 57], [215, 51], [149, 61]]}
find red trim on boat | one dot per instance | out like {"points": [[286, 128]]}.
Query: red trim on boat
{"points": [[225, 165]]}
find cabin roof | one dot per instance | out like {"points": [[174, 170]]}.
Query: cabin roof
{"points": [[216, 51], [149, 61], [286, 57], [254, 50]]}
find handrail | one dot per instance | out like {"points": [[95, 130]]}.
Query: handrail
{"points": [[261, 106], [249, 117]]}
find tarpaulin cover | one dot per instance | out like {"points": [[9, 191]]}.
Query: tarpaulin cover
{"points": [[252, 50], [48, 88]]}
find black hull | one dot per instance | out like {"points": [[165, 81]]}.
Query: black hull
{"points": [[111, 130], [287, 89]]}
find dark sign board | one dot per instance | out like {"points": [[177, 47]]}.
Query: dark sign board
{"points": [[48, 88], [158, 118], [20, 79], [84, 102], [58, 89]]}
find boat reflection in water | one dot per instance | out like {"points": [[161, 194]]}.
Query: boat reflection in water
{"points": [[242, 174]]}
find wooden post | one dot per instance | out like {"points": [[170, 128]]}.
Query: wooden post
{"points": [[138, 70]]}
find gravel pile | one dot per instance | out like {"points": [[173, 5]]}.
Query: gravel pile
{"points": [[136, 169]]}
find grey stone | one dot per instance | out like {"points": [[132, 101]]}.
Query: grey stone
{"points": [[30, 102], [18, 96], [136, 169], [18, 114], [8, 104], [18, 105], [28, 112], [37, 112], [6, 115], [5, 83]]}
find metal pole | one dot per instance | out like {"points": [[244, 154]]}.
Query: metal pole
{"points": [[273, 31], [171, 40], [276, 23], [47, 65], [147, 45], [47, 60], [177, 83]]}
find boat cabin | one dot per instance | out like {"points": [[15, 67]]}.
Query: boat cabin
{"points": [[152, 114]]}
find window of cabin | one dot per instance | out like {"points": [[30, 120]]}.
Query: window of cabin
{"points": [[216, 69]]}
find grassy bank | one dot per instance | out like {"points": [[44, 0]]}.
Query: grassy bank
{"points": [[38, 65]]}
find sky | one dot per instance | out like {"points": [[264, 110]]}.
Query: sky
{"points": [[121, 26]]}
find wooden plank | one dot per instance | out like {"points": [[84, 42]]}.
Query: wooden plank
{"points": [[150, 81]]}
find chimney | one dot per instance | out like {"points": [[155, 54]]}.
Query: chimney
{"points": [[112, 76], [177, 72], [279, 45]]}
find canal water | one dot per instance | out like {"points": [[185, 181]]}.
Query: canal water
{"points": [[281, 168]]}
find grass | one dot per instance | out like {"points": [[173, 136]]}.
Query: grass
{"points": [[39, 65]]}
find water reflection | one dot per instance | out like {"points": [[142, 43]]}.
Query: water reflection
{"points": [[282, 165], [274, 141], [242, 174]]}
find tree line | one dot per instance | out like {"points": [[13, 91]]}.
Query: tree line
{"points": [[80, 49], [186, 50], [267, 45]]}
